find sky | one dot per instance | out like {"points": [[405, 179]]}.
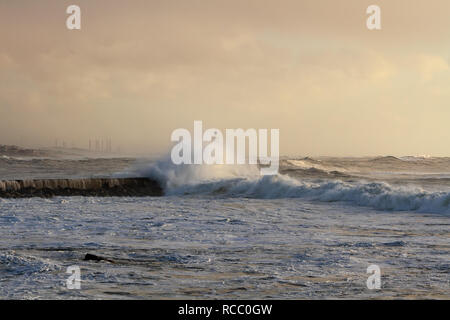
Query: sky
{"points": [[137, 70]]}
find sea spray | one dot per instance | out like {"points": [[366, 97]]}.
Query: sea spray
{"points": [[245, 181]]}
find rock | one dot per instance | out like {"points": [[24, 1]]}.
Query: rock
{"points": [[93, 257], [90, 187]]}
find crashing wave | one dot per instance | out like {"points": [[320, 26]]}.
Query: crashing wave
{"points": [[376, 195], [245, 181]]}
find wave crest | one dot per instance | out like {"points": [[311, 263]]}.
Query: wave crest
{"points": [[245, 181]]}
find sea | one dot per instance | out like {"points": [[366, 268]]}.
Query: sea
{"points": [[316, 230]]}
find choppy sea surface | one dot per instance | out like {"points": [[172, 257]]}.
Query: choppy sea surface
{"points": [[311, 232]]}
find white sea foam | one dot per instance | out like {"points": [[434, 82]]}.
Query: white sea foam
{"points": [[172, 176], [245, 181]]}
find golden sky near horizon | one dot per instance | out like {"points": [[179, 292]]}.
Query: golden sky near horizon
{"points": [[139, 69]]}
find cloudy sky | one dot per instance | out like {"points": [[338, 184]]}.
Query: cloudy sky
{"points": [[137, 70]]}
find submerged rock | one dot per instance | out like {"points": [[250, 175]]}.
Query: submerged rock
{"points": [[93, 257]]}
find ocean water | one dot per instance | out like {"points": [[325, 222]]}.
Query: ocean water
{"points": [[226, 232]]}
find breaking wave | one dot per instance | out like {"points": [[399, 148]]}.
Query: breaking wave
{"points": [[245, 181]]}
